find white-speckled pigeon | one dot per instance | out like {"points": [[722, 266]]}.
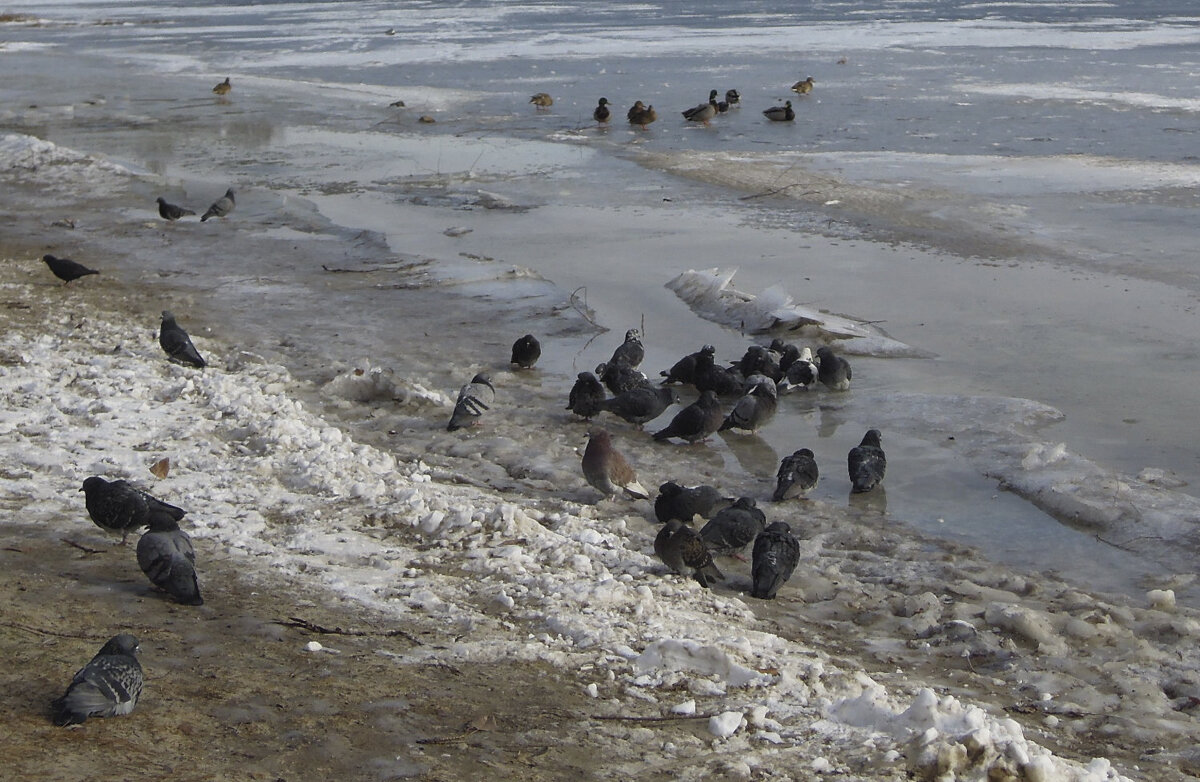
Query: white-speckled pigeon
{"points": [[166, 556], [630, 352], [682, 549], [776, 552], [108, 686], [177, 344], [473, 399], [866, 462], [117, 506]]}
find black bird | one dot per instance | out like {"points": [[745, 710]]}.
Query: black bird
{"points": [[641, 404], [177, 344], [732, 528], [833, 370], [108, 686], [166, 556], [686, 502], [696, 421], [630, 352], [776, 552], [67, 270], [682, 549], [619, 377], [117, 506], [710, 376], [586, 397], [221, 207], [473, 399], [171, 212], [684, 370], [602, 113], [758, 360], [866, 462], [797, 475], [526, 351]]}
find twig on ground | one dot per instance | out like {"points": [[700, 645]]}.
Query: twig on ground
{"points": [[663, 718], [82, 547], [313, 627]]}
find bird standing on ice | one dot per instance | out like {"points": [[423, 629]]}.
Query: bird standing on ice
{"points": [[607, 470], [473, 399], [866, 462]]}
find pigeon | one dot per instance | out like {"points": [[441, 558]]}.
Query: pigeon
{"points": [[866, 462], [696, 421], [684, 370], [832, 370], [67, 270], [641, 115], [641, 404], [221, 207], [760, 360], [108, 686], [804, 86], [776, 552], [223, 88], [754, 409], [731, 529], [526, 351], [169, 211], [473, 399], [117, 506], [165, 555], [686, 502], [786, 351], [586, 397], [782, 113], [704, 112], [541, 100], [682, 550], [711, 377], [800, 373], [177, 344], [602, 113], [607, 470], [630, 352], [619, 377], [797, 475]]}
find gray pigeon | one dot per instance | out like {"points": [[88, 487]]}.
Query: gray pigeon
{"points": [[833, 370], [108, 686], [682, 550], [755, 408], [696, 421], [732, 529], [177, 344], [67, 270], [473, 399], [776, 552], [619, 377], [221, 207], [526, 351], [800, 373], [586, 396], [797, 475], [641, 404], [166, 556], [607, 470], [866, 462], [117, 506], [630, 352], [686, 502], [168, 211]]}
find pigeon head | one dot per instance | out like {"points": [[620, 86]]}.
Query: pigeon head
{"points": [[779, 527], [805, 452], [482, 378], [745, 503], [168, 316], [670, 489], [873, 437], [121, 644], [93, 483], [633, 335]]}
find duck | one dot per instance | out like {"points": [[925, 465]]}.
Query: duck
{"points": [[704, 112], [803, 87], [602, 114], [782, 113], [542, 100], [223, 88], [640, 114], [733, 97]]}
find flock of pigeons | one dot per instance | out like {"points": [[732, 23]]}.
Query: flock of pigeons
{"points": [[753, 382]]}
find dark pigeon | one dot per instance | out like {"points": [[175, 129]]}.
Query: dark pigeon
{"points": [[709, 376], [732, 528], [696, 421], [833, 370], [758, 360], [776, 552], [801, 372], [630, 352], [684, 370], [641, 404], [473, 399], [797, 475], [586, 397], [177, 344], [166, 556], [866, 462], [619, 377], [607, 470], [168, 211], [108, 686], [755, 409], [67, 270], [786, 351], [686, 502], [682, 550], [526, 351], [221, 207], [117, 506]]}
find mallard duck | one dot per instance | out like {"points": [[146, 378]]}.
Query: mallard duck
{"points": [[602, 114], [733, 97], [223, 88], [803, 87], [641, 115], [782, 113], [542, 100], [704, 112]]}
